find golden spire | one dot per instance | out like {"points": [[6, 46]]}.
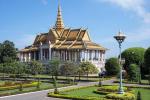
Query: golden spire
{"points": [[59, 22]]}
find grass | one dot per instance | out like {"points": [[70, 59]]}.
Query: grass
{"points": [[85, 92], [88, 92], [145, 93]]}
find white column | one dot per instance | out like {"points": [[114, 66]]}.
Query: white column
{"points": [[41, 51], [21, 56], [34, 55], [92, 55], [75, 56], [81, 55], [98, 55], [85, 55], [50, 51], [88, 55], [66, 55], [25, 57], [29, 56]]}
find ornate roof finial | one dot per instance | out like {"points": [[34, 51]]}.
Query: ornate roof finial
{"points": [[59, 22]]}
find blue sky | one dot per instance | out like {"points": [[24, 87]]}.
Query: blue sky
{"points": [[22, 20]]}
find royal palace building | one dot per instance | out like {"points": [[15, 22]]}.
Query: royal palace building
{"points": [[65, 44]]}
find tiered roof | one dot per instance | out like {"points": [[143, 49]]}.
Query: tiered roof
{"points": [[64, 38]]}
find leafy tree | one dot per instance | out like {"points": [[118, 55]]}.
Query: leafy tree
{"points": [[112, 66], [7, 68], [147, 61], [54, 67], [80, 72], [88, 67], [20, 68], [36, 68], [68, 68], [133, 55], [132, 73], [1, 68], [8, 52]]}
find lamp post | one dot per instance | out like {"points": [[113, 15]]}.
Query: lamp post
{"points": [[120, 38]]}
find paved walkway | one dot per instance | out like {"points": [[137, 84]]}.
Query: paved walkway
{"points": [[42, 95]]}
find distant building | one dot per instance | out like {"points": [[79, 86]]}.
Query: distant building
{"points": [[66, 44]]}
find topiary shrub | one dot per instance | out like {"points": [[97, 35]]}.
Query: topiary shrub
{"points": [[112, 66], [132, 72], [125, 96]]}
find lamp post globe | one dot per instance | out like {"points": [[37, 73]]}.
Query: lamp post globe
{"points": [[120, 37]]}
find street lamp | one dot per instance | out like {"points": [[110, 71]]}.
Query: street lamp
{"points": [[120, 38]]}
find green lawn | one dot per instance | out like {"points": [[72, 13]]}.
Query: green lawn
{"points": [[145, 93], [88, 92], [85, 92]]}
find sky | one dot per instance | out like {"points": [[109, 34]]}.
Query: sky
{"points": [[22, 20]]}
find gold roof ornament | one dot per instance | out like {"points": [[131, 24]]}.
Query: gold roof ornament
{"points": [[59, 26]]}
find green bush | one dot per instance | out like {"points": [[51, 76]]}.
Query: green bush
{"points": [[8, 83], [112, 66], [100, 92], [132, 72], [33, 84], [110, 88], [125, 96], [147, 61]]}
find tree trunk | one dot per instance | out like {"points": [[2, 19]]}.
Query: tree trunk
{"points": [[87, 75], [79, 76]]}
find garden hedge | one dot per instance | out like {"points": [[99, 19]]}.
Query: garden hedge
{"points": [[125, 96], [32, 84]]}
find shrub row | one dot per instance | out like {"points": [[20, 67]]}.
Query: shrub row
{"points": [[74, 97], [125, 96], [131, 82], [32, 84], [100, 92]]}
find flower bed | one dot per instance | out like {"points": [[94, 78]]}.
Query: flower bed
{"points": [[125, 96]]}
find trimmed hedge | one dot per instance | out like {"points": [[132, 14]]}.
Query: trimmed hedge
{"points": [[125, 96], [110, 88], [100, 92], [32, 84], [74, 97]]}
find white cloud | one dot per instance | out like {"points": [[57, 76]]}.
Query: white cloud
{"points": [[139, 36], [137, 6]]}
